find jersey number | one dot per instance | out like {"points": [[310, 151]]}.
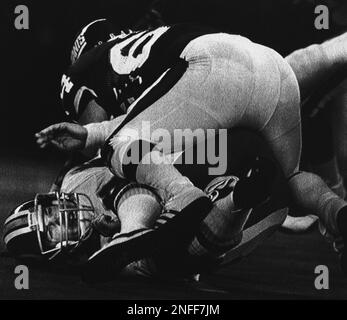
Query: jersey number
{"points": [[66, 85], [140, 45]]}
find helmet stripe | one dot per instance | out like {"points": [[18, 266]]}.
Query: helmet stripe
{"points": [[89, 24], [79, 51], [17, 214], [16, 233]]}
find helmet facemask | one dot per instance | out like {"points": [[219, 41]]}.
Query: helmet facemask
{"points": [[62, 221]]}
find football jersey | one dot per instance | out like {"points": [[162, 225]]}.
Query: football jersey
{"points": [[125, 69]]}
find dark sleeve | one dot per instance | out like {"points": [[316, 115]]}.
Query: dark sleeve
{"points": [[93, 71], [75, 96]]}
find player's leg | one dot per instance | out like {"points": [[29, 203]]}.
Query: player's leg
{"points": [[221, 230], [222, 237], [309, 191], [315, 65], [223, 225], [219, 234]]}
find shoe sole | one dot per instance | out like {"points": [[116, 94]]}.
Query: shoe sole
{"points": [[105, 264]]}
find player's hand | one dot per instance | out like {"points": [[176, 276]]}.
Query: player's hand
{"points": [[64, 136]]}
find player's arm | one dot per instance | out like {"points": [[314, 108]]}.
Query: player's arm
{"points": [[92, 113], [79, 104], [72, 137]]}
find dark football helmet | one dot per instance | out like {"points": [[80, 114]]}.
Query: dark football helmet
{"points": [[93, 34]]}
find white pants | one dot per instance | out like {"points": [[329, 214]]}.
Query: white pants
{"points": [[230, 82]]}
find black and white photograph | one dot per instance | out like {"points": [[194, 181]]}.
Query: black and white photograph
{"points": [[172, 155]]}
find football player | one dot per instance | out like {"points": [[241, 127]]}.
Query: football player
{"points": [[94, 206], [184, 77], [77, 92]]}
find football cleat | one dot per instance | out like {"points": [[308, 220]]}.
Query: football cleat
{"points": [[106, 263]]}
